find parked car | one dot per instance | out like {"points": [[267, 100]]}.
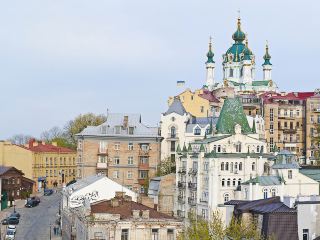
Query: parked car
{"points": [[15, 214], [10, 221], [10, 234], [12, 228], [31, 203], [48, 192], [37, 199]]}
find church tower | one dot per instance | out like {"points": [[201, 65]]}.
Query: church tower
{"points": [[210, 65], [267, 66]]}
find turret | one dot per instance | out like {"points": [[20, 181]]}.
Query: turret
{"points": [[267, 66], [210, 65], [247, 64]]}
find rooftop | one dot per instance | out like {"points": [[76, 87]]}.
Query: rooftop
{"points": [[36, 146]]}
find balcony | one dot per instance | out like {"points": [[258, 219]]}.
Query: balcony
{"points": [[181, 213], [101, 165], [193, 171], [144, 152], [182, 170], [192, 201], [143, 166], [181, 184], [102, 151], [192, 186], [181, 199]]}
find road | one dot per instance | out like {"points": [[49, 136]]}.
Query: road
{"points": [[35, 222]]}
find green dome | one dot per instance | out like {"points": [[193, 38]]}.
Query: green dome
{"points": [[247, 53], [239, 36], [210, 54], [267, 57], [236, 49]]}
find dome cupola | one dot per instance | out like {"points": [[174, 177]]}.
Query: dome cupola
{"points": [[247, 52], [210, 54], [239, 36], [267, 56]]}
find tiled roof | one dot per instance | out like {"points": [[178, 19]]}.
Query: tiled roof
{"points": [[268, 98], [46, 147], [176, 107], [265, 180], [231, 114], [125, 209], [209, 96], [273, 208]]}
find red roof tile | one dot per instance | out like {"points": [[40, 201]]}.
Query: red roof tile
{"points": [[46, 147], [209, 96]]}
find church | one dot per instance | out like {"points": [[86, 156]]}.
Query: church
{"points": [[239, 67]]}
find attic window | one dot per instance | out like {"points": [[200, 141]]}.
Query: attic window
{"points": [[197, 131], [131, 130], [117, 129]]}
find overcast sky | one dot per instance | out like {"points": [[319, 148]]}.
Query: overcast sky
{"points": [[61, 58]]}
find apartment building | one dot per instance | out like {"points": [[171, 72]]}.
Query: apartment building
{"points": [[122, 148]]}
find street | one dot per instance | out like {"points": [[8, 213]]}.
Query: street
{"points": [[35, 222]]}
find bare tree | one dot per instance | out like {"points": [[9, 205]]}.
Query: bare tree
{"points": [[20, 139]]}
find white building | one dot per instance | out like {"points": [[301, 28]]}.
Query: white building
{"points": [[210, 171]]}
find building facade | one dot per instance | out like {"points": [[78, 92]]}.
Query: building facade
{"points": [[122, 148]]}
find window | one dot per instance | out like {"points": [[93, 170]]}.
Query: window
{"points": [[291, 113], [222, 166], [271, 128], [234, 182], [143, 174], [271, 114], [235, 166], [305, 234], [80, 145], [291, 125], [170, 234], [155, 234], [124, 234], [129, 174], [240, 166], [273, 192], [238, 147], [226, 197], [144, 147], [117, 129], [173, 132], [227, 166], [271, 144], [131, 130], [116, 174], [231, 167], [253, 166], [130, 160], [265, 193], [98, 235], [197, 131], [103, 147], [116, 160], [258, 149], [202, 109], [239, 181], [231, 72], [117, 146], [223, 182], [228, 182], [219, 149], [298, 113], [289, 174], [144, 160], [102, 159], [173, 146]]}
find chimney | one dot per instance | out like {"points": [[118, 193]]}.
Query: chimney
{"points": [[54, 144], [43, 143], [136, 214], [145, 214], [127, 198], [114, 202], [125, 121], [120, 194], [35, 143]]}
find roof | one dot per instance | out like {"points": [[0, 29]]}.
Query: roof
{"points": [[4, 169], [108, 128], [265, 180], [311, 173], [260, 83], [176, 107], [125, 209], [236, 155], [231, 114], [209, 96], [36, 146], [81, 183]]}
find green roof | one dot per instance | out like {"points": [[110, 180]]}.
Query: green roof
{"points": [[267, 57], [231, 114], [265, 180], [260, 83], [210, 54], [311, 173]]}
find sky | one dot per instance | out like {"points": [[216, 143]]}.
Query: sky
{"points": [[62, 58]]}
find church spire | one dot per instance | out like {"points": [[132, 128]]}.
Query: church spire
{"points": [[267, 56], [210, 65], [267, 66], [210, 54]]}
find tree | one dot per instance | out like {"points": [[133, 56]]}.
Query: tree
{"points": [[166, 166], [20, 139], [201, 229], [81, 122], [51, 134]]}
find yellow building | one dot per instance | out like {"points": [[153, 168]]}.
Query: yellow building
{"points": [[196, 103], [16, 156], [56, 165]]}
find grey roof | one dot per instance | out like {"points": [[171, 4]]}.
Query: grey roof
{"points": [[79, 184], [4, 169], [114, 120], [265, 180], [311, 173], [176, 107], [286, 166], [202, 122]]}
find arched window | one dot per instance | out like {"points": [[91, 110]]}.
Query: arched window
{"points": [[231, 167], [239, 181], [236, 166], [234, 182], [197, 131], [226, 197], [273, 192], [265, 193], [222, 166], [223, 182], [258, 149], [173, 132], [228, 182], [253, 166], [240, 166], [227, 166]]}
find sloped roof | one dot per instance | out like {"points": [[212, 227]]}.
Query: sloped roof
{"points": [[260, 83], [4, 169], [176, 107], [47, 147], [231, 114], [265, 180], [311, 173]]}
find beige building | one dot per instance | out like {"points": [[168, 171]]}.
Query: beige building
{"points": [[16, 156], [123, 219], [122, 148]]}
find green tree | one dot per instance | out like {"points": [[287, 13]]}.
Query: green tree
{"points": [[166, 166]]}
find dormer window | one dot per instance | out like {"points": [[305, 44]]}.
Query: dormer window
{"points": [[238, 147], [131, 130], [197, 131], [117, 129], [289, 174]]}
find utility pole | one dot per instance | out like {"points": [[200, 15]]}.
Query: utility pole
{"points": [[50, 232]]}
